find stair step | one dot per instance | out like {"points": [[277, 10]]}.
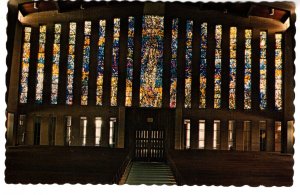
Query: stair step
{"points": [[150, 174]]}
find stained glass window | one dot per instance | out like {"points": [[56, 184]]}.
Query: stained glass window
{"points": [[218, 63], [71, 64], [85, 63], [115, 63], [203, 64], [40, 66], [55, 63], [25, 65], [129, 65], [100, 66], [263, 70], [152, 61], [174, 46], [188, 64], [278, 72], [232, 67], [247, 76]]}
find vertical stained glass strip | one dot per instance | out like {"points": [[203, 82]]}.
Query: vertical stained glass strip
{"points": [[71, 64], [55, 63], [115, 63], [174, 46], [40, 66], [218, 64], [263, 70], [232, 68], [85, 63], [188, 64], [203, 64], [278, 71], [247, 76], [152, 61], [100, 66], [129, 64], [25, 66]]}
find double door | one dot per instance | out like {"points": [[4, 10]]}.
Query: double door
{"points": [[149, 145]]}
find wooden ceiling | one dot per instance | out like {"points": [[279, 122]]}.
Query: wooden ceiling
{"points": [[238, 9]]}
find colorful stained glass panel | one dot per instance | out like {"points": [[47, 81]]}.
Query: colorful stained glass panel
{"points": [[278, 71], [152, 61], [203, 64], [85, 63], [40, 66], [100, 66], [174, 46], [115, 63], [188, 64], [71, 64], [55, 63], [129, 64], [218, 65], [247, 72], [232, 68], [263, 70], [23, 91]]}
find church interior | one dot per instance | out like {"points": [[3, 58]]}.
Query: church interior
{"points": [[175, 93]]}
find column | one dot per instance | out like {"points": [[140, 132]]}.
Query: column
{"points": [[209, 129], [255, 136], [270, 135], [75, 133], [105, 132], [121, 127], [29, 130], [44, 130], [194, 134], [239, 135], [224, 135], [60, 131]]}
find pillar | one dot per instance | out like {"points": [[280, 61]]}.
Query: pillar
{"points": [[255, 136], [121, 128]]}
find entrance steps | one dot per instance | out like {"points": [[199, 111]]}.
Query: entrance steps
{"points": [[150, 173]]}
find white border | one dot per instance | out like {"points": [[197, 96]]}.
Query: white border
{"points": [[100, 189]]}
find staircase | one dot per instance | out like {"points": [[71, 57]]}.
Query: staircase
{"points": [[150, 173]]}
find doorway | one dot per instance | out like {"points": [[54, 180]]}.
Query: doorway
{"points": [[149, 145], [149, 133]]}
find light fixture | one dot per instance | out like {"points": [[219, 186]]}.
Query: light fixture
{"points": [[271, 11], [35, 5], [81, 6]]}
